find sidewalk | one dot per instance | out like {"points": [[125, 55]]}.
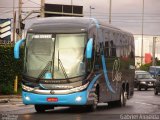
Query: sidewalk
{"points": [[10, 98]]}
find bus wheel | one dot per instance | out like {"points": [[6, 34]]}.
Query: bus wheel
{"points": [[93, 107], [123, 99], [42, 108]]}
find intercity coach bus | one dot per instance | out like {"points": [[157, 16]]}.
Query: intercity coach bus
{"points": [[76, 61]]}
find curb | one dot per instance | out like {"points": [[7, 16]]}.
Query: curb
{"points": [[10, 98], [4, 101]]}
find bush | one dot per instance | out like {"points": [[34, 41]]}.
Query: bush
{"points": [[9, 68], [7, 89], [145, 67]]}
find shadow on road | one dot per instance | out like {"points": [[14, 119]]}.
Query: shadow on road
{"points": [[82, 110]]}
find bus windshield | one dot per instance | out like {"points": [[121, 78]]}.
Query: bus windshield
{"points": [[60, 54]]}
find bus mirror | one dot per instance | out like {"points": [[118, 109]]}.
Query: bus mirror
{"points": [[17, 47], [89, 48]]}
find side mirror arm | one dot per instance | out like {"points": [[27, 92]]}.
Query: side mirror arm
{"points": [[17, 47], [89, 48]]}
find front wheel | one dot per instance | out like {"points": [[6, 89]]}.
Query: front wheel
{"points": [[42, 108], [93, 107]]}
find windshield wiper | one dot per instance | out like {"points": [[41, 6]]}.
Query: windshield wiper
{"points": [[62, 67], [44, 70]]}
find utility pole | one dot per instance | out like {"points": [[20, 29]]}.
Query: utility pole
{"points": [[14, 24], [110, 10], [20, 19], [154, 50], [42, 8], [142, 33], [72, 6]]}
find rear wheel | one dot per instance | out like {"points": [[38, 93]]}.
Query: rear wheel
{"points": [[42, 108], [123, 99]]}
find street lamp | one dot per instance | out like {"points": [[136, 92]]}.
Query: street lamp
{"points": [[153, 50], [91, 8], [72, 6], [110, 9]]}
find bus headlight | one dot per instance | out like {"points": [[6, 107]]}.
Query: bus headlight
{"points": [[27, 88], [27, 98], [78, 98]]}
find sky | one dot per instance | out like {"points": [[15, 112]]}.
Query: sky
{"points": [[126, 14]]}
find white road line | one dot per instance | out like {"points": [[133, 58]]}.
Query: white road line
{"points": [[143, 103]]}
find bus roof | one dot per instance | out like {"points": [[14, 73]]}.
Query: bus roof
{"points": [[76, 24]]}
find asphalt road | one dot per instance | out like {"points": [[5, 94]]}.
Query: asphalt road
{"points": [[143, 105]]}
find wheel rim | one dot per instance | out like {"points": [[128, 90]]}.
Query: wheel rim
{"points": [[123, 98]]}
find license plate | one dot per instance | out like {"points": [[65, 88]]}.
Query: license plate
{"points": [[150, 84]]}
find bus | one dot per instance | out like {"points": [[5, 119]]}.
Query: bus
{"points": [[76, 61]]}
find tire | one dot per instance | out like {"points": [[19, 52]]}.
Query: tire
{"points": [[139, 88], [42, 108], [123, 99], [93, 107], [155, 91], [111, 104]]}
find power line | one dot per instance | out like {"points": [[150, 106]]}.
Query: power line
{"points": [[17, 7], [34, 2], [6, 12]]}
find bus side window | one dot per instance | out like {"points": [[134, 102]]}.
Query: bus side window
{"points": [[113, 49], [106, 44]]}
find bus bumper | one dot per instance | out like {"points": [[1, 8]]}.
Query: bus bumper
{"points": [[78, 98]]}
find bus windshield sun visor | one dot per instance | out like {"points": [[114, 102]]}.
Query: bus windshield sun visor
{"points": [[89, 48], [17, 47]]}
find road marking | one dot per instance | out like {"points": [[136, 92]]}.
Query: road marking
{"points": [[143, 103]]}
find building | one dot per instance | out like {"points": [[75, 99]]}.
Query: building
{"points": [[147, 48]]}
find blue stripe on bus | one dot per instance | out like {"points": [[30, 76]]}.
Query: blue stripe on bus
{"points": [[93, 81], [105, 74]]}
